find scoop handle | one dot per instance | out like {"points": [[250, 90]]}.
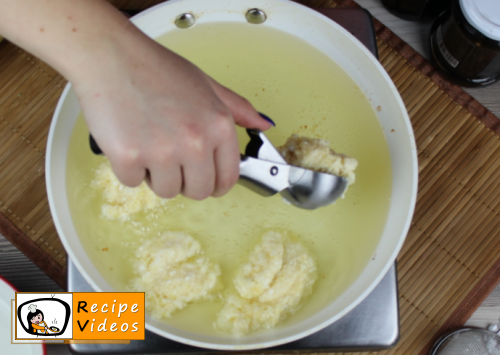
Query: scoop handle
{"points": [[263, 177], [94, 147]]}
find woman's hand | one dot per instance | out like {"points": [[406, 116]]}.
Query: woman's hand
{"points": [[155, 115], [158, 117]]}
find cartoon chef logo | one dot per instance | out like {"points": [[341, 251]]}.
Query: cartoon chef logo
{"points": [[43, 317], [36, 323]]}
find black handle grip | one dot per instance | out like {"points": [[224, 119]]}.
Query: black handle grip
{"points": [[94, 147]]}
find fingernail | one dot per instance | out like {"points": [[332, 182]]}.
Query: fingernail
{"points": [[267, 119]]}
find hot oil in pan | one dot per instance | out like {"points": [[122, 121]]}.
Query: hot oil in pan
{"points": [[305, 93]]}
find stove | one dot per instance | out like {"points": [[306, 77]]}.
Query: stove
{"points": [[372, 325]]}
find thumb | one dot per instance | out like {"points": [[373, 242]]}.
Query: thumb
{"points": [[244, 114]]}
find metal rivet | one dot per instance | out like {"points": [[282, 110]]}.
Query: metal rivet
{"points": [[255, 16], [274, 171], [185, 20]]}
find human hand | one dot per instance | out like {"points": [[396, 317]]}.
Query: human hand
{"points": [[155, 115], [170, 124]]}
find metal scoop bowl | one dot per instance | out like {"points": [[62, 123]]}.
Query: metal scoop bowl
{"points": [[264, 171]]}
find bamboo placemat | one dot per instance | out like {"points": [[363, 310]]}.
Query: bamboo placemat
{"points": [[451, 258]]}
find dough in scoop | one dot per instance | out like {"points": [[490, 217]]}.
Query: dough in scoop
{"points": [[316, 154]]}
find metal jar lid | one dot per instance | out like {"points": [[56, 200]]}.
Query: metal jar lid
{"points": [[483, 15]]}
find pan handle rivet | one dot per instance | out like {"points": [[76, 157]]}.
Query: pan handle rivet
{"points": [[185, 20], [256, 16]]}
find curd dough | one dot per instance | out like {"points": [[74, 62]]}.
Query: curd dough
{"points": [[172, 271], [269, 287], [122, 201], [316, 154]]}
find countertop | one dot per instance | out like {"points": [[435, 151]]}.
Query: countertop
{"points": [[26, 276]]}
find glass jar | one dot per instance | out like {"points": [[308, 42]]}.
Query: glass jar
{"points": [[465, 42], [416, 10]]}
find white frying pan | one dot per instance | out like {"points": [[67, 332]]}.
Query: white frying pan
{"points": [[365, 70]]}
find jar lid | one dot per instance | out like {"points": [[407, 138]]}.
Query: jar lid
{"points": [[483, 15]]}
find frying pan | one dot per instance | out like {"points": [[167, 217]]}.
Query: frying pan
{"points": [[342, 48]]}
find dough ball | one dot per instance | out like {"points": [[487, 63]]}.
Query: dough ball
{"points": [[173, 272], [120, 201], [269, 286]]}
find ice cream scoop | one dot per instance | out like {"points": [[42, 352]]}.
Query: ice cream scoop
{"points": [[264, 171]]}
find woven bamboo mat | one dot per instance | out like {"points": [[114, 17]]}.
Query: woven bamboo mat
{"points": [[451, 259]]}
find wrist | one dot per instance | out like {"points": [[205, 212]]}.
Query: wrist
{"points": [[98, 47]]}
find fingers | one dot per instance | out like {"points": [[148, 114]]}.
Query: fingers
{"points": [[164, 171], [227, 166], [127, 168], [203, 169], [165, 180], [129, 177], [199, 179], [211, 165], [244, 114]]}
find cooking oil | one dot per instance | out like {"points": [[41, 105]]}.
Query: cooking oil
{"points": [[304, 92]]}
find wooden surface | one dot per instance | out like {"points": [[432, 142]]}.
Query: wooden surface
{"points": [[24, 275], [416, 34]]}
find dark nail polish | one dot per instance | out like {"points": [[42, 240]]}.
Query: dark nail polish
{"points": [[267, 119]]}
